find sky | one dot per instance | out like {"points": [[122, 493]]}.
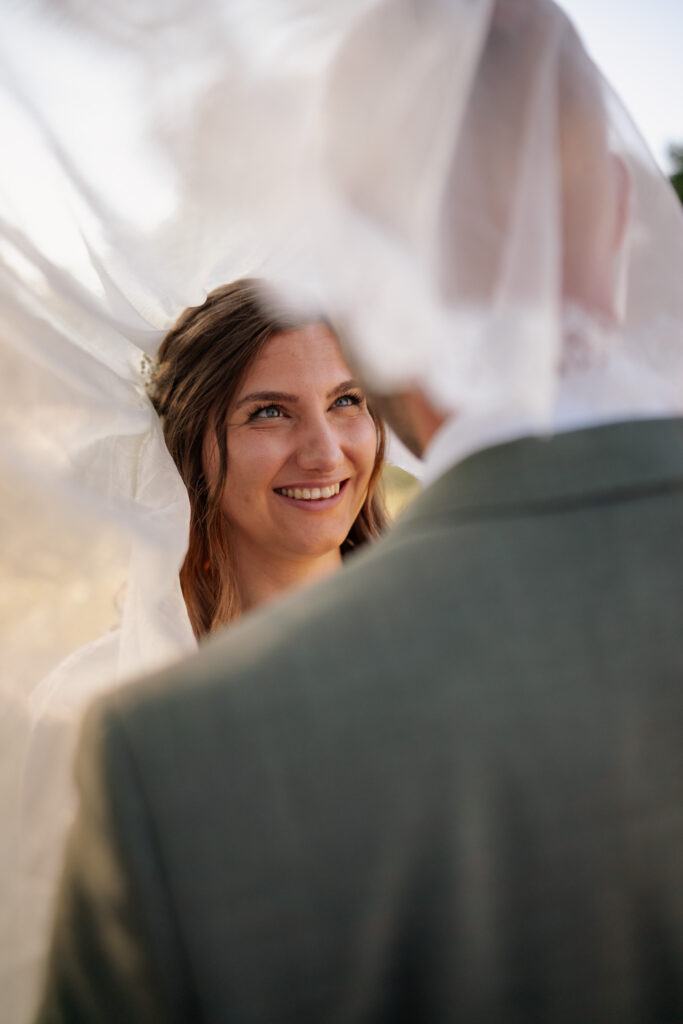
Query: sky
{"points": [[638, 44]]}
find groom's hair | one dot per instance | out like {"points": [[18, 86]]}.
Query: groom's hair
{"points": [[201, 364]]}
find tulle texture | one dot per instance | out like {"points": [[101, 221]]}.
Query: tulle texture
{"points": [[508, 243], [451, 181], [124, 191]]}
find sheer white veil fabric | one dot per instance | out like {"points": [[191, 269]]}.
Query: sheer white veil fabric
{"points": [[148, 146], [511, 246], [452, 181]]}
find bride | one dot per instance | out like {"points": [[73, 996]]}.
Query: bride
{"points": [[281, 457], [276, 444], [120, 227]]}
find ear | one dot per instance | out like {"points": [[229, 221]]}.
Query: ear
{"points": [[411, 416], [425, 418], [622, 190]]}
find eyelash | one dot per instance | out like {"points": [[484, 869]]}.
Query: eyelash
{"points": [[254, 414], [355, 396]]}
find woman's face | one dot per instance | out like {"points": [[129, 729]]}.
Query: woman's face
{"points": [[301, 449]]}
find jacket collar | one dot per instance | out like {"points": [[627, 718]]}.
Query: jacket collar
{"points": [[600, 463]]}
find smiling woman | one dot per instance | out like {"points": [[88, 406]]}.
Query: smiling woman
{"points": [[276, 444]]}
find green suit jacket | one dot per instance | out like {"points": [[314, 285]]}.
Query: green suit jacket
{"points": [[444, 785]]}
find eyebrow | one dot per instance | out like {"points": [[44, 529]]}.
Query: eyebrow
{"points": [[283, 396]]}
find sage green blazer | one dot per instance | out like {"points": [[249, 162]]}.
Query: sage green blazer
{"points": [[446, 785]]}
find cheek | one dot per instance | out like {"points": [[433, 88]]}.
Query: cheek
{"points": [[253, 461]]}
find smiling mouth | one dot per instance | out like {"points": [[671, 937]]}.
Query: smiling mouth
{"points": [[311, 493]]}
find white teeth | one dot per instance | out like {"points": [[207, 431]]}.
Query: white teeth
{"points": [[310, 494]]}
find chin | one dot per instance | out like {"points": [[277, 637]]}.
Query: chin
{"points": [[319, 548]]}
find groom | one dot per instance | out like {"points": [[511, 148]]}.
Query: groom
{"points": [[444, 785]]}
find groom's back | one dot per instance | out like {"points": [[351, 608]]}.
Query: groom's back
{"points": [[445, 785]]}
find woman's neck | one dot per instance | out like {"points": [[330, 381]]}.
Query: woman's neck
{"points": [[260, 580]]}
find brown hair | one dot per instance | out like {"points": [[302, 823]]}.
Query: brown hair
{"points": [[201, 364]]}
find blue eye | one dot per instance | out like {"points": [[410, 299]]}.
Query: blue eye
{"points": [[266, 412], [346, 400]]}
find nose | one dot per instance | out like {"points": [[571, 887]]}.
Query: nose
{"points": [[319, 450]]}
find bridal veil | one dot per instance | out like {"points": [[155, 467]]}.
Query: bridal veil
{"points": [[451, 181]]}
